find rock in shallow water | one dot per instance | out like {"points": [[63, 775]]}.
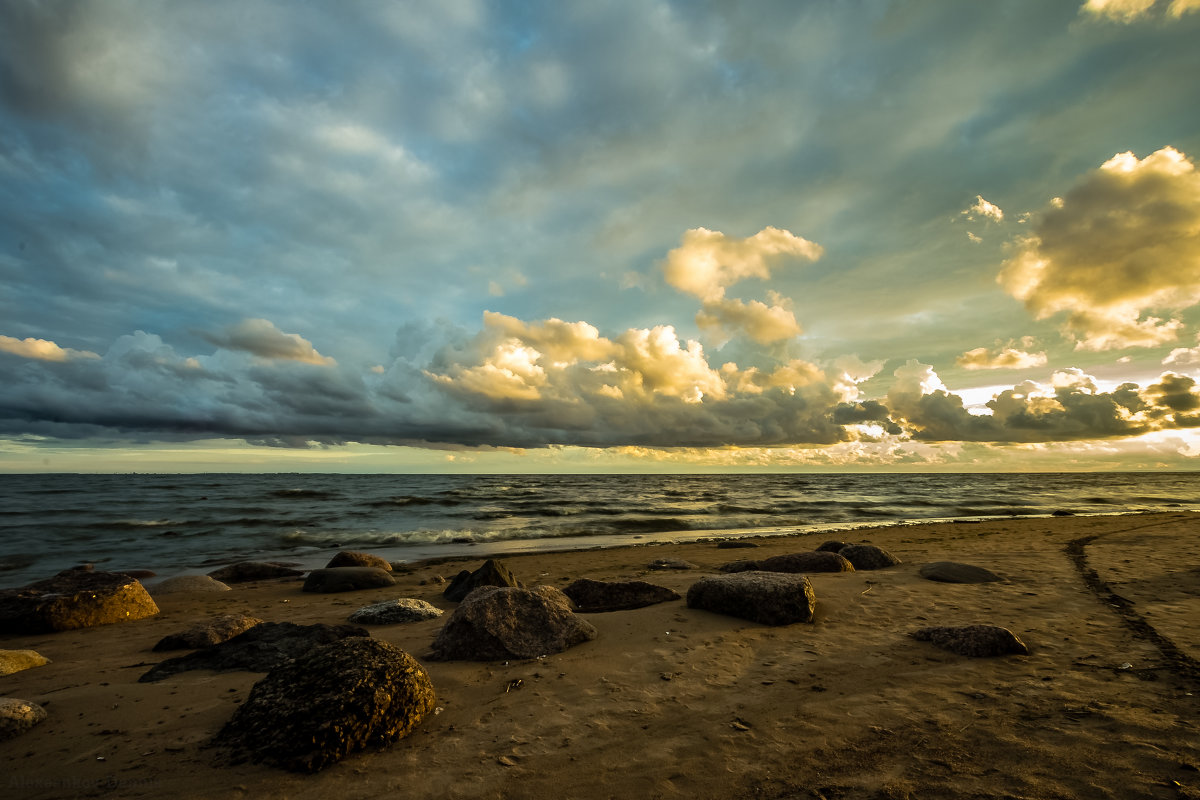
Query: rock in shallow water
{"points": [[770, 598], [497, 622], [335, 700], [74, 599], [975, 641]]}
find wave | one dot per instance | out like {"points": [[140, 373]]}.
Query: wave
{"points": [[308, 494]]}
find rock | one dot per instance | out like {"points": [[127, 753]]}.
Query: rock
{"points": [[832, 546], [809, 561], [1062, 512], [181, 584], [976, 641], [353, 558], [868, 556], [216, 630], [347, 579], [17, 660], [497, 622], [595, 596], [140, 574], [338, 699], [671, 563], [771, 598], [74, 599], [245, 571], [735, 544], [952, 572], [395, 611], [18, 716], [259, 649], [492, 573]]}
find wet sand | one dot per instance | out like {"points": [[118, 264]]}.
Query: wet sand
{"points": [[671, 702]]}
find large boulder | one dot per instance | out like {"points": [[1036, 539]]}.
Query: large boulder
{"points": [[596, 596], [214, 631], [335, 700], [74, 599], [246, 571], [185, 584], [975, 641], [353, 558], [406, 609], [770, 598], [497, 622], [832, 546], [19, 660], [260, 649], [347, 579], [953, 572], [810, 561], [868, 556], [492, 573], [18, 716]]}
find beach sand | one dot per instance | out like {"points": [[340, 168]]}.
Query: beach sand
{"points": [[671, 702]]}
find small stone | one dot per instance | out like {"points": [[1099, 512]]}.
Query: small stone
{"points": [[18, 716], [396, 611], [181, 584], [974, 641], [598, 596], [868, 556], [17, 660], [671, 563], [246, 571], [347, 579], [214, 631]]}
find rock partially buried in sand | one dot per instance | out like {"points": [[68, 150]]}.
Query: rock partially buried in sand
{"points": [[497, 622], [868, 556], [598, 596], [18, 716], [347, 579], [259, 649], [670, 563], [216, 630], [953, 572], [492, 573], [770, 598], [246, 571], [335, 700], [975, 641], [182, 584], [353, 558], [74, 599], [19, 660], [406, 609], [810, 561]]}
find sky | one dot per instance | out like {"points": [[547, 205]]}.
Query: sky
{"points": [[900, 235]]}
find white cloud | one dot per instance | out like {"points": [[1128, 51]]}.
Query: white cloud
{"points": [[985, 210], [1122, 244], [707, 262]]}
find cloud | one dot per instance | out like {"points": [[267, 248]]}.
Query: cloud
{"points": [[1130, 10], [1122, 244], [41, 349], [1003, 358], [985, 210], [707, 262], [260, 337], [762, 323]]}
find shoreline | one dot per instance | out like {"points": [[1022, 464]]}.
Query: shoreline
{"points": [[672, 702]]}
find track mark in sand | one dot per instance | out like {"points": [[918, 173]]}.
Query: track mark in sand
{"points": [[1177, 661]]}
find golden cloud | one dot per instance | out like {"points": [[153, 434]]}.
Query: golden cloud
{"points": [[41, 349], [1123, 243]]}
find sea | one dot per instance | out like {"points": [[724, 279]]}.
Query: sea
{"points": [[188, 524]]}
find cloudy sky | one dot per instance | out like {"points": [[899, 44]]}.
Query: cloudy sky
{"points": [[629, 235]]}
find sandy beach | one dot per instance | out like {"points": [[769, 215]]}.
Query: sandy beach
{"points": [[671, 702]]}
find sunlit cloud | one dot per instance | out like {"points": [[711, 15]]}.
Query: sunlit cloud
{"points": [[1130, 10], [707, 262], [983, 210], [1001, 358], [41, 349], [1123, 244]]}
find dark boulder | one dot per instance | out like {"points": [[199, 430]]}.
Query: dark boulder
{"points": [[809, 561], [868, 556], [347, 579], [492, 573], [771, 598], [670, 563], [74, 599], [353, 558], [744, 565], [497, 622], [338, 699], [216, 630], [953, 572], [18, 716], [975, 641], [246, 571], [832, 546], [596, 596], [259, 649], [736, 544]]}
